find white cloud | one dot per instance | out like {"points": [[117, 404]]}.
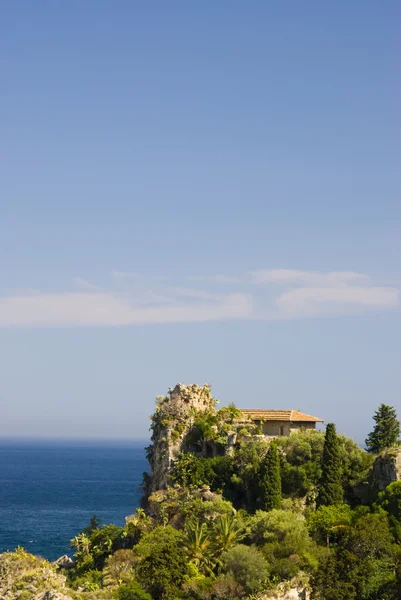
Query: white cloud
{"points": [[216, 278], [133, 277], [125, 275], [95, 309], [315, 278], [83, 284], [274, 294], [311, 301]]}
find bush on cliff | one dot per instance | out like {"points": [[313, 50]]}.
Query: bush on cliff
{"points": [[162, 564]]}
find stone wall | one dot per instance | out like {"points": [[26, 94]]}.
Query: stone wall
{"points": [[277, 428]]}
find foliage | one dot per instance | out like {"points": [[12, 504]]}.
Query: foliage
{"points": [[237, 477], [355, 464], [300, 462], [94, 525], [27, 575], [330, 488], [89, 582], [205, 537], [135, 526], [176, 505], [328, 522], [284, 540], [212, 425], [204, 428], [92, 550], [132, 591], [162, 562], [119, 567], [390, 499], [243, 490], [275, 525], [194, 472], [228, 531], [386, 431], [362, 565], [247, 566], [197, 543], [301, 459], [229, 413], [223, 587], [270, 479]]}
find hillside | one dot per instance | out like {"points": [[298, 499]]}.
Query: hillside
{"points": [[231, 514]]}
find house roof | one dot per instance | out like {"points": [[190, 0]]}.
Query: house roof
{"points": [[257, 414]]}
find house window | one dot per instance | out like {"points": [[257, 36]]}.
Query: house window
{"points": [[281, 429]]}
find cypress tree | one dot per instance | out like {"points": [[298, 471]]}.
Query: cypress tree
{"points": [[270, 480], [386, 432], [330, 490]]}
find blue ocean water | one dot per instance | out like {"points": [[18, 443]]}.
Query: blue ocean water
{"points": [[49, 491]]}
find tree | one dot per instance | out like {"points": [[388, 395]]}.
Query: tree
{"points": [[284, 540], [248, 567], [270, 481], [197, 544], [132, 591], [245, 482], [386, 432], [328, 522], [162, 564], [362, 565], [94, 524], [390, 499], [330, 490], [119, 567], [331, 581], [228, 532]]}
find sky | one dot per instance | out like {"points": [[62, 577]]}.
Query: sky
{"points": [[198, 192]]}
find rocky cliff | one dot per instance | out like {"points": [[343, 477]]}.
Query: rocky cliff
{"points": [[386, 469], [186, 420], [27, 577], [172, 420]]}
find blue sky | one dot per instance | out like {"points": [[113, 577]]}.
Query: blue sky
{"points": [[198, 192]]}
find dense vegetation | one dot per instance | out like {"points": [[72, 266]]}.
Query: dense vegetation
{"points": [[231, 527]]}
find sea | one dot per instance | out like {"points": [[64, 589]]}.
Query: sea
{"points": [[50, 490]]}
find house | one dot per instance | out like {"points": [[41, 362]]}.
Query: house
{"points": [[278, 422]]}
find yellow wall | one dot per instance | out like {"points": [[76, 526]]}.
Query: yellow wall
{"points": [[276, 428]]}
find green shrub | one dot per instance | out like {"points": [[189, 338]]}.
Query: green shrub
{"points": [[390, 499], [162, 563], [132, 591], [89, 582], [327, 522], [247, 566]]}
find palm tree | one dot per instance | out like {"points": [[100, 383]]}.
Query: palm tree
{"points": [[197, 543], [228, 532], [82, 544]]}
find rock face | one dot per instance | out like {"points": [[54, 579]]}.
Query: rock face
{"points": [[30, 577], [50, 595], [64, 562], [386, 469], [174, 416], [291, 590]]}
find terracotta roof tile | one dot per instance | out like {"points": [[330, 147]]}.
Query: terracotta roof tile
{"points": [[279, 415]]}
